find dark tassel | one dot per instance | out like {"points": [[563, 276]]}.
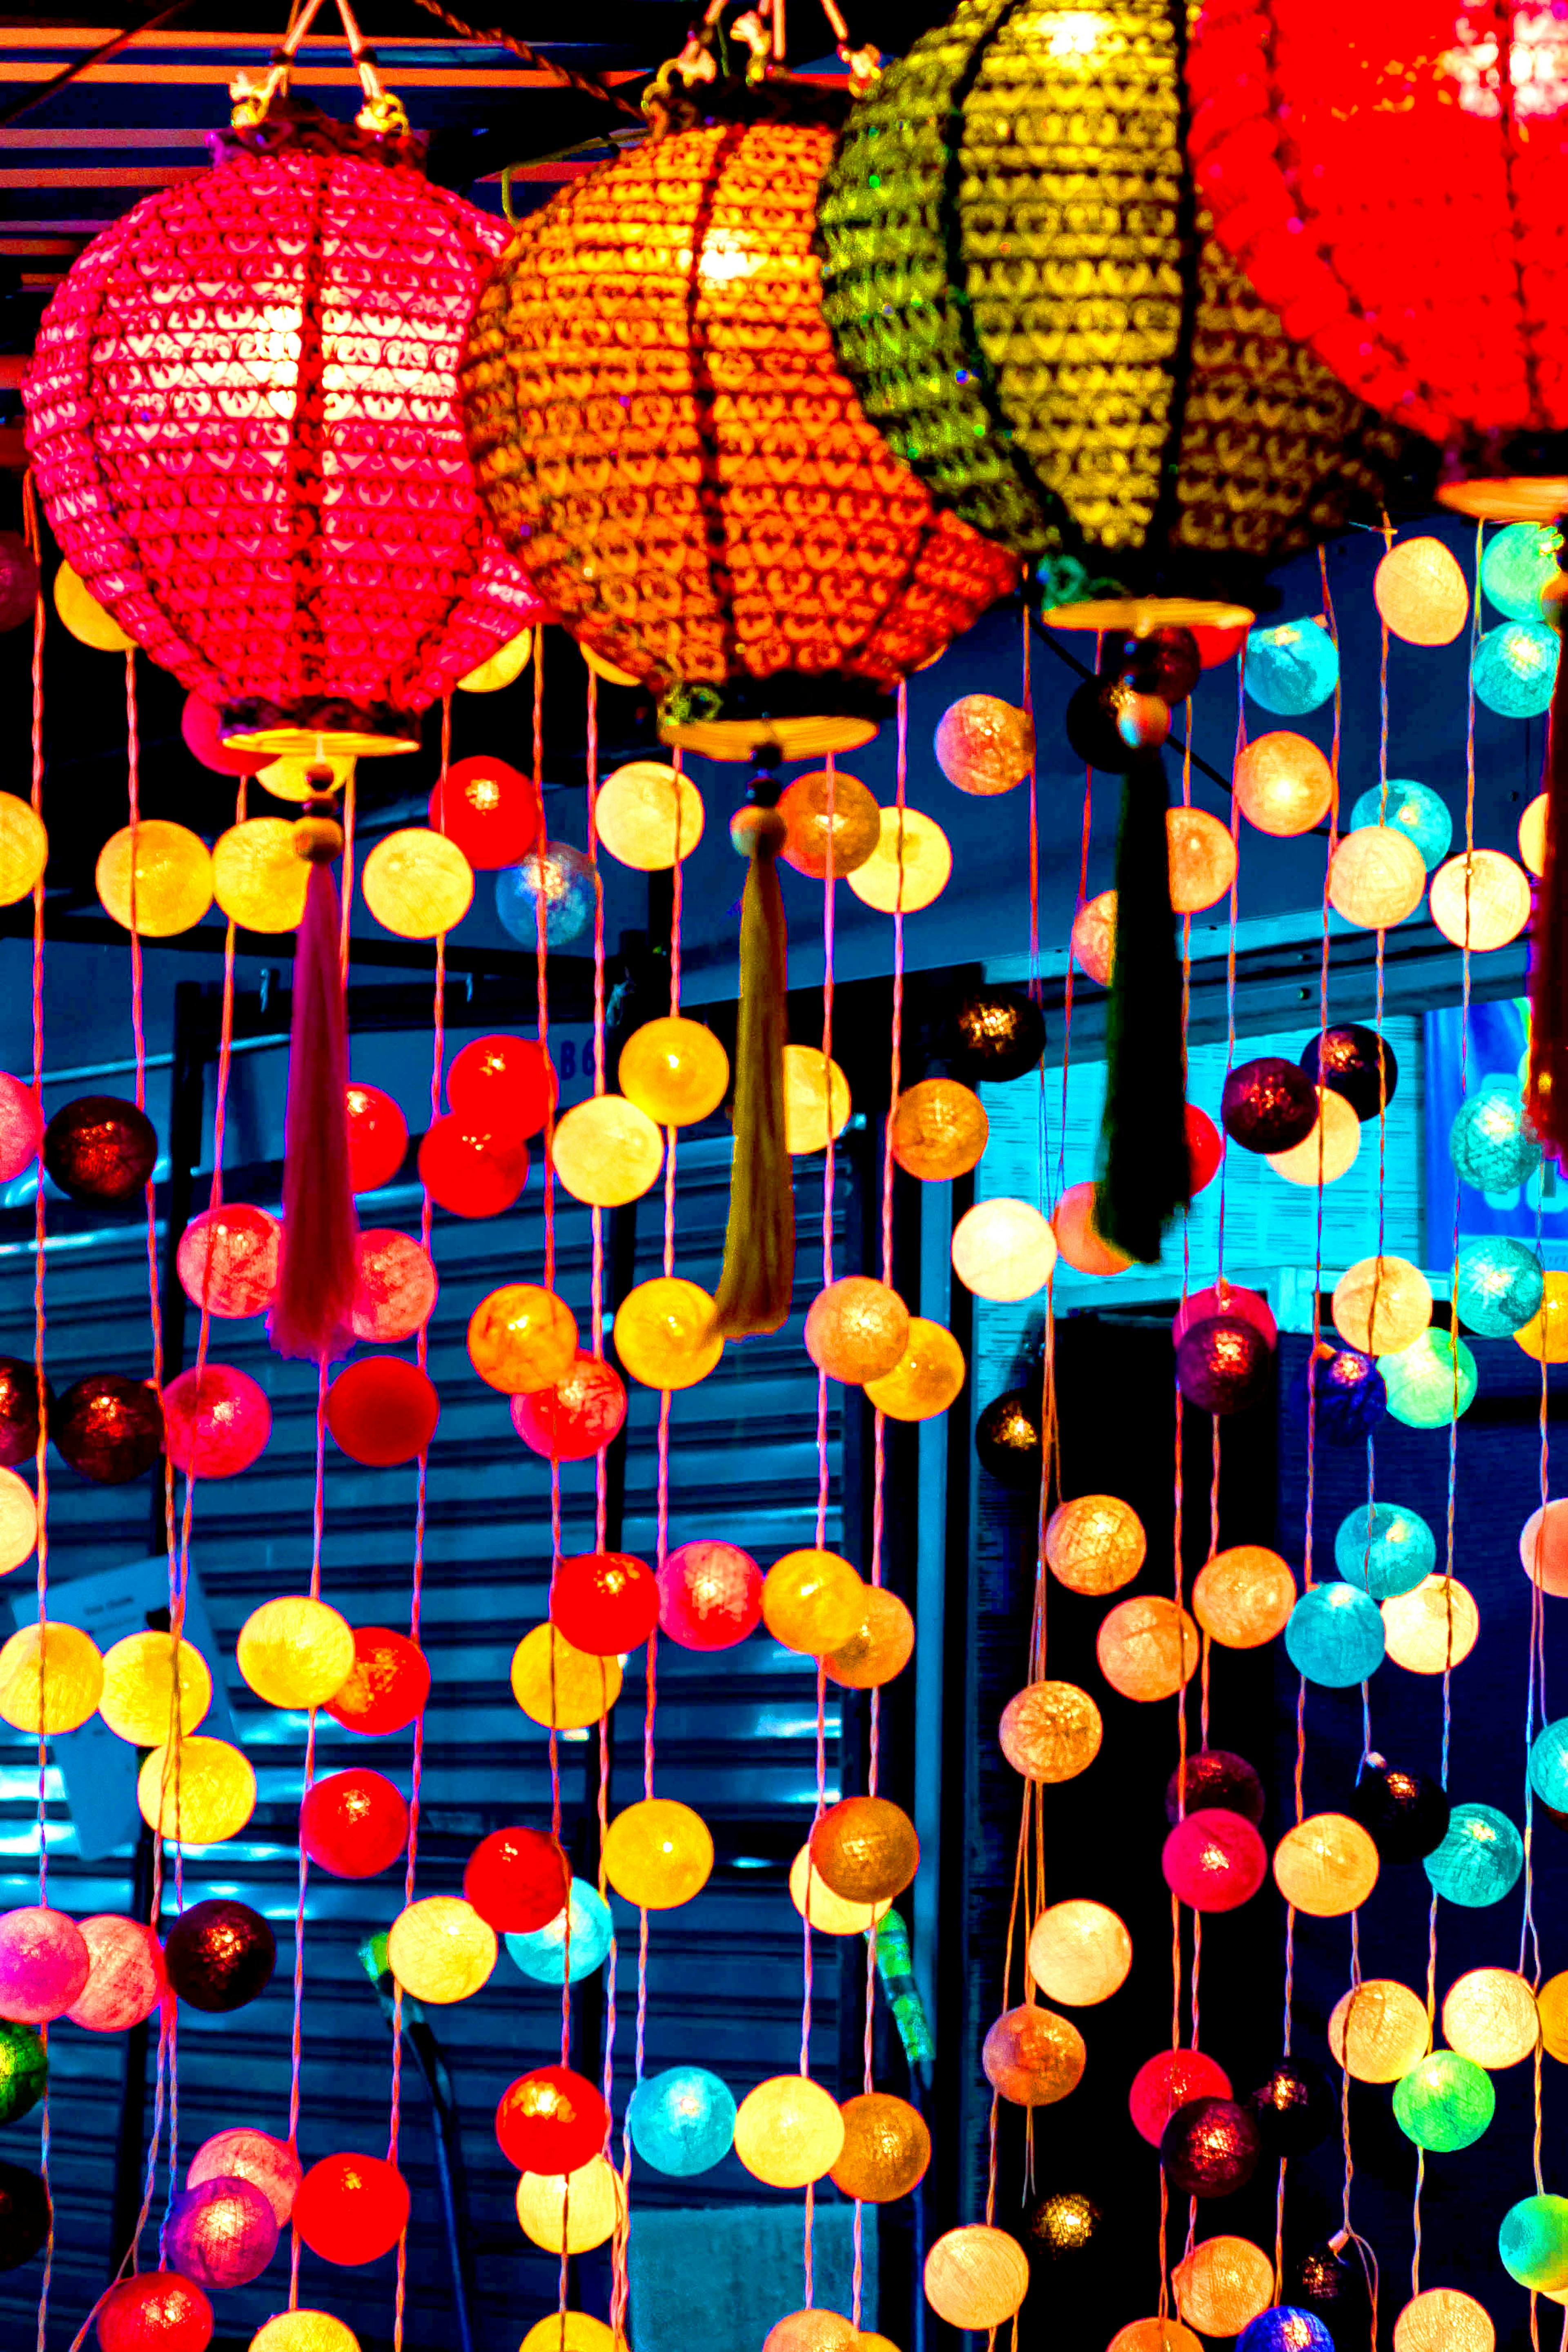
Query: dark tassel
{"points": [[758, 1281], [316, 1267], [1143, 1171], [1547, 1098]]}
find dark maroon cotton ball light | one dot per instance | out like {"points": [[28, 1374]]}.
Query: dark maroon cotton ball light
{"points": [[220, 1955], [1001, 1035], [109, 1428], [1405, 1814], [19, 1395], [1217, 1778], [1293, 2108], [100, 1150], [1089, 721], [1346, 1059], [1166, 662], [18, 579], [24, 2216], [1268, 1105], [1223, 1363], [1210, 2147], [1330, 2283], [1008, 1440]]}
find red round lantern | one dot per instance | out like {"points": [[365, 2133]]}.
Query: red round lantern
{"points": [[201, 724], [157, 2312], [578, 1417], [709, 1595], [216, 1422], [395, 1288], [488, 810], [1168, 2081], [353, 1823], [191, 493], [383, 1410], [604, 1602], [378, 1139], [518, 1880], [550, 2120], [21, 1125], [388, 1687], [469, 1170], [352, 2209], [228, 1260], [1205, 1147], [505, 1086]]}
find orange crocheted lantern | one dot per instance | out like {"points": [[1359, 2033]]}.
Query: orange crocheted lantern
{"points": [[661, 430]]}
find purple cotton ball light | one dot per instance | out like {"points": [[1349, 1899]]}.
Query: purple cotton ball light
{"points": [[1223, 1364], [222, 2233]]}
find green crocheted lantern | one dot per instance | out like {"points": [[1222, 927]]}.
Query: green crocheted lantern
{"points": [[1023, 292]]}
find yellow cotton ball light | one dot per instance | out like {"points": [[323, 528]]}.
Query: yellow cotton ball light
{"points": [[1444, 2320], [789, 2132], [1003, 1250], [1381, 1304], [663, 1333], [1376, 878], [572, 2331], [19, 1521], [417, 883], [1545, 1336], [1283, 784], [1050, 1731], [1432, 1627], [834, 1914], [647, 816], [674, 1070], [85, 617], [940, 1130], [1243, 1597], [304, 2331], [881, 1646], [910, 866], [137, 1701], [1326, 1866], [173, 879], [1223, 2285], [51, 1678], [606, 1152], [560, 1686], [23, 849], [816, 1092], [1328, 1150], [260, 879], [522, 1338], [1094, 1544], [502, 667], [440, 1950], [1490, 2016], [1147, 1647], [1201, 858], [575, 2211], [658, 1853], [1492, 910], [857, 1329], [1533, 836], [1093, 937], [295, 1652], [1421, 593], [976, 2276], [1080, 1952], [812, 1601], [1379, 2030], [927, 1377], [210, 1798]]}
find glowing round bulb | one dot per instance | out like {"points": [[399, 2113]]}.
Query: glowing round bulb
{"points": [[1490, 1143], [674, 1070], [210, 1798], [1520, 561], [1432, 1380], [865, 1848], [854, 828], [1499, 1286], [606, 1152], [985, 745], [1093, 937], [1291, 667], [1423, 597], [857, 1329], [242, 2153], [1094, 1544], [126, 1977], [572, 2331], [85, 617], [566, 883], [543, 1955], [1080, 1952], [1533, 836], [940, 1130], [1431, 1627], [1328, 1150], [417, 883], [1283, 784], [260, 879], [304, 2331], [1223, 2284], [663, 1333], [829, 1912], [1002, 1250], [681, 2121], [228, 1260], [1326, 1866], [1411, 809], [1078, 1238], [19, 1521], [789, 2131], [499, 668], [647, 816], [1545, 1335], [295, 1652], [1490, 2017], [808, 1080], [1552, 2004], [1154, 2335], [1201, 858], [1376, 878], [1050, 1731], [927, 1377], [1543, 1548], [812, 1601], [1480, 1859], [1494, 908], [1379, 2030], [881, 1646], [1514, 669], [439, 1949], [575, 2211], [886, 2152], [709, 1595], [138, 1699], [50, 1681], [173, 879], [23, 849], [1381, 1304], [522, 1338], [658, 1853], [1391, 1555], [394, 1286], [1147, 1647], [1444, 2103], [976, 2276], [1243, 1597], [45, 1964], [1444, 2320], [554, 1683], [908, 867]]}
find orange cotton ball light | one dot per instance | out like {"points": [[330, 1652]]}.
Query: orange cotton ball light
{"points": [[940, 1130], [828, 1911], [910, 866], [1481, 900], [606, 1152], [1032, 2057], [1421, 593], [812, 1601], [440, 1950], [886, 2151], [1533, 836], [523, 1338], [1444, 2320], [1283, 784], [976, 2276], [1147, 1647], [881, 1646], [228, 1260], [23, 849], [817, 1100], [658, 1853], [865, 1849], [295, 1652], [383, 1410], [1080, 1952], [1242, 1597], [927, 1377], [788, 2132], [674, 1070], [1202, 859], [1093, 937], [1223, 2284], [1326, 1866], [1050, 1731], [1545, 1336], [211, 1797], [820, 810], [985, 745], [352, 2209], [1078, 1238], [19, 1521], [1094, 1544], [857, 1329], [260, 878], [663, 1333]]}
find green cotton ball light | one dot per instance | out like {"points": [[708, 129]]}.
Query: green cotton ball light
{"points": [[1393, 1556], [1291, 667], [1490, 1143], [1423, 1389], [1532, 2241], [23, 2069], [1334, 1636], [1519, 563], [1514, 669], [1414, 809], [1480, 1859], [1444, 2103], [1501, 1285], [1549, 1765]]}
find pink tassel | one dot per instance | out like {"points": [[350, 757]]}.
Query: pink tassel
{"points": [[1546, 1098], [316, 1270]]}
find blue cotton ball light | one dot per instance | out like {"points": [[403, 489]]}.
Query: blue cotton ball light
{"points": [[1514, 669], [1334, 1636], [1480, 1859], [1501, 1285], [1386, 1551], [542, 1953], [1283, 2328], [1518, 564], [1414, 809], [1490, 1143], [1344, 1390], [565, 877], [1431, 1381], [1291, 667], [683, 2121], [1444, 2103]]}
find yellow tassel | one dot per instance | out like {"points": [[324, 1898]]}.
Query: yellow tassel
{"points": [[758, 1281]]}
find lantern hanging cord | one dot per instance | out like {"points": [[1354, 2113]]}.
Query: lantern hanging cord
{"points": [[491, 36], [760, 31]]}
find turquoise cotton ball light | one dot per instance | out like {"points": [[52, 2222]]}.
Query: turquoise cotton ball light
{"points": [[1414, 809], [1501, 1285], [1431, 1380], [1532, 2241], [683, 2121], [1390, 1556], [1514, 669], [1444, 2101], [568, 890], [1549, 1765], [1519, 563], [1490, 1144], [1291, 667], [1334, 1636], [540, 1953], [1480, 1859]]}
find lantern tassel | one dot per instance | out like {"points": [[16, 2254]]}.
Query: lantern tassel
{"points": [[316, 1267], [758, 1281], [1144, 1174], [1547, 1097]]}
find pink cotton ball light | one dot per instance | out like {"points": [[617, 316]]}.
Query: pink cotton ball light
{"points": [[216, 1422], [21, 1127], [242, 2153], [43, 1964], [394, 1286], [1215, 1860], [222, 2233], [578, 1417], [202, 728], [1225, 1298], [157, 2312], [709, 1595], [228, 1260], [126, 1976]]}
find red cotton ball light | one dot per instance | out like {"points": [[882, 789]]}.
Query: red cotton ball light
{"points": [[378, 1139], [709, 1595], [43, 1964], [383, 1410], [604, 1602], [468, 1170], [216, 1420], [578, 1417], [518, 1880], [1167, 2082], [551, 2121], [101, 1150], [1215, 1860], [19, 1398], [108, 1428], [352, 2209], [394, 1286], [220, 1954], [221, 2234], [1210, 2147], [354, 1823], [242, 2153], [21, 1127], [387, 1687], [228, 1260], [201, 724], [126, 1974], [18, 580], [1205, 1147], [158, 2311], [488, 809], [505, 1086]]}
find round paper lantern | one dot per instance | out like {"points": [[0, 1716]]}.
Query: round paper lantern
{"points": [[886, 2151], [1002, 1250], [1335, 1636], [577, 1416], [417, 883], [383, 1410], [605, 1602], [388, 1685], [606, 1152], [788, 2131], [647, 816], [1284, 2328], [503, 1087], [552, 1955], [21, 1125], [1501, 1285], [663, 1333], [1328, 1150], [561, 879], [657, 1854], [927, 1377], [709, 1595], [1147, 1647], [100, 1149], [552, 2120], [353, 1823], [812, 1601], [881, 1646], [1291, 667], [352, 2209], [1202, 860], [1080, 1952], [1283, 784], [1444, 2101], [1381, 1304], [1009, 1441], [983, 745], [1067, 2227], [1543, 1548], [1490, 2016], [858, 1329], [1411, 809], [1224, 1362], [819, 809], [1093, 937], [51, 1678], [157, 2310], [1421, 593], [222, 2233], [1480, 1859], [1342, 1392], [1210, 2147], [910, 866], [126, 1978], [295, 1652], [394, 1286], [829, 1912], [378, 1139], [1215, 1860], [574, 2213], [499, 669], [1293, 2108], [1326, 1866], [1205, 1147], [1533, 836], [939, 1130], [1268, 1105], [1490, 1143], [1094, 1544], [1405, 1813], [228, 1260], [1050, 1731], [809, 1084], [1444, 2320], [1432, 1380], [469, 1170], [216, 1420], [1000, 1035], [1223, 2284], [23, 2070], [1379, 2030], [108, 1428], [210, 1798], [1169, 2081], [976, 2276], [1549, 1765], [518, 1880], [674, 1071], [1243, 1597], [440, 1950], [1551, 2003], [1376, 878], [164, 888], [242, 2153], [681, 2121], [258, 875], [487, 808], [1481, 900], [1223, 1298], [1215, 1777], [1432, 1628], [19, 1521], [1079, 1240], [556, 1685], [865, 1849], [138, 1698], [219, 1956], [1514, 669]]}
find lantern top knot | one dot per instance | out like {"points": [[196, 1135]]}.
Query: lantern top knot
{"points": [[291, 121]]}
